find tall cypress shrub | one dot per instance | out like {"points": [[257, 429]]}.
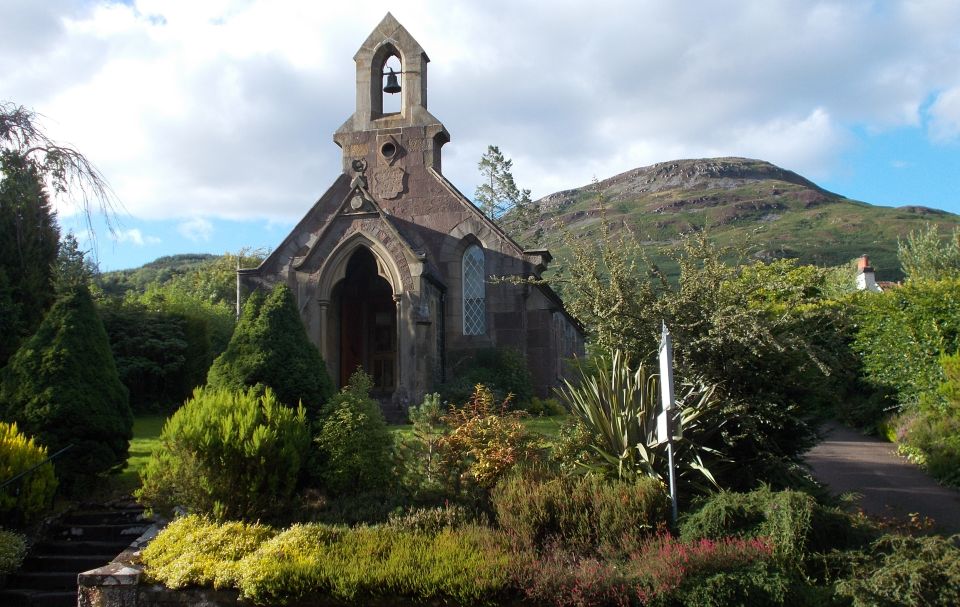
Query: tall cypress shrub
{"points": [[62, 387], [29, 239], [270, 347]]}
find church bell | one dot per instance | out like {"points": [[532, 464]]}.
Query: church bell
{"points": [[393, 86]]}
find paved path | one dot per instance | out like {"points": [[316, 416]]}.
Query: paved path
{"points": [[890, 485]]}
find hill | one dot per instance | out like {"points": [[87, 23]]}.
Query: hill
{"points": [[738, 200], [160, 270]]}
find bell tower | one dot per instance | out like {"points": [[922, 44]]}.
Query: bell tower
{"points": [[406, 139]]}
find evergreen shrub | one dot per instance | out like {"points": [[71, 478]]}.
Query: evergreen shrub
{"points": [[930, 434], [24, 500], [467, 565], [196, 551], [229, 454], [794, 523], [908, 571], [13, 547], [270, 347], [355, 448], [62, 387], [581, 513], [462, 566]]}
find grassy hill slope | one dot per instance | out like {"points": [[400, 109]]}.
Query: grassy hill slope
{"points": [[737, 200]]}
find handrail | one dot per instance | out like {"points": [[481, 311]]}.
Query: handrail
{"points": [[29, 470]]}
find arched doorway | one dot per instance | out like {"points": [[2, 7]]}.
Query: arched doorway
{"points": [[368, 323]]}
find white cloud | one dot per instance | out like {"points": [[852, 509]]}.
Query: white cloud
{"points": [[134, 236], [944, 123], [226, 108], [196, 229]]}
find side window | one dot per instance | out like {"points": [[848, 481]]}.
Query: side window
{"points": [[474, 296]]}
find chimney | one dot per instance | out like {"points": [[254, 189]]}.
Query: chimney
{"points": [[865, 277]]}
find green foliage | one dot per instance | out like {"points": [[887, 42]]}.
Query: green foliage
{"points": [[503, 371], [758, 332], [72, 270], [419, 464], [355, 449], [150, 349], [270, 347], [499, 197], [925, 255], [194, 550], [902, 332], [460, 566], [202, 277], [547, 407], [580, 513], [908, 571], [930, 434], [618, 407], [229, 454], [62, 387], [13, 547], [793, 522], [28, 250], [430, 520], [467, 565], [26, 499]]}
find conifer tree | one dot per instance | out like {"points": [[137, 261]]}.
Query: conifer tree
{"points": [[270, 347], [62, 387], [500, 199], [28, 250]]}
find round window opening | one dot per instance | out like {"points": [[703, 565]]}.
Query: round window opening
{"points": [[388, 150]]}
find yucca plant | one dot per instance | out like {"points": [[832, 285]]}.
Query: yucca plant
{"points": [[619, 404]]}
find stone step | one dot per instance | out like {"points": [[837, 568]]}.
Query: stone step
{"points": [[67, 562], [36, 598], [117, 531], [80, 546], [43, 580], [104, 517]]}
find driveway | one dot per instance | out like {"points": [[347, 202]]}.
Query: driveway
{"points": [[890, 485]]}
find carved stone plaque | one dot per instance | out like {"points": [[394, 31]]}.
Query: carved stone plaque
{"points": [[388, 182]]}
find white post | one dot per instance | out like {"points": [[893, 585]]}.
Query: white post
{"points": [[238, 286], [667, 398]]}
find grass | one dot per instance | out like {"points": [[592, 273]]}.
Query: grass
{"points": [[146, 436]]}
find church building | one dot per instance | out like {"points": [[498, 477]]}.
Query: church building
{"points": [[391, 268]]}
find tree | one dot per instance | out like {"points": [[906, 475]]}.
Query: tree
{"points": [[759, 332], [72, 269], [270, 347], [62, 168], [62, 387], [354, 446], [501, 200], [925, 255], [31, 166], [28, 250]]}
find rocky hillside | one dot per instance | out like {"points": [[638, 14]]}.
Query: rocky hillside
{"points": [[777, 212]]}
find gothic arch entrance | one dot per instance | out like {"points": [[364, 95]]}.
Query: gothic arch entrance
{"points": [[363, 302]]}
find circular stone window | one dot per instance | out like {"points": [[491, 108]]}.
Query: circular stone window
{"points": [[388, 150]]}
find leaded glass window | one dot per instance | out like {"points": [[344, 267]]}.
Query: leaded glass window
{"points": [[474, 297]]}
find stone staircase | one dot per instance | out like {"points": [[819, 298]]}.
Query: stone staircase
{"points": [[83, 539]]}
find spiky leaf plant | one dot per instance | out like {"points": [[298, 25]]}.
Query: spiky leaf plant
{"points": [[618, 405]]}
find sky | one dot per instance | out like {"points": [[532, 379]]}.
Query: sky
{"points": [[213, 120]]}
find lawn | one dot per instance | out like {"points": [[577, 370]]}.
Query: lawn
{"points": [[146, 436]]}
